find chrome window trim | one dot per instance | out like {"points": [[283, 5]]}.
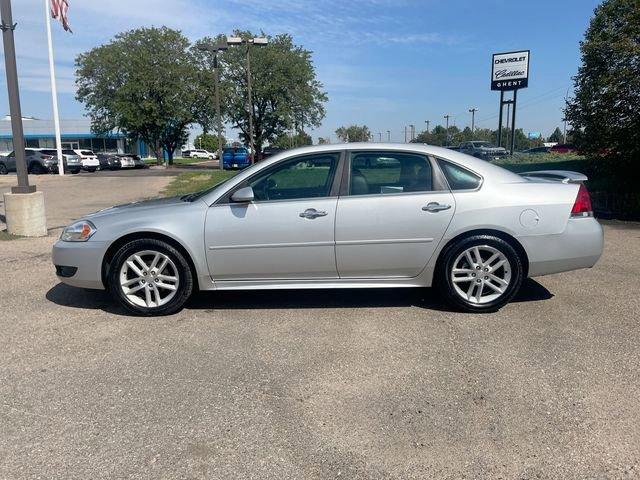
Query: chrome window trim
{"points": [[225, 198], [437, 161]]}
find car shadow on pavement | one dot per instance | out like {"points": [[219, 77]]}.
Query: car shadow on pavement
{"points": [[427, 298]]}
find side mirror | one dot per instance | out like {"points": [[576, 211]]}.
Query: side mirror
{"points": [[243, 195]]}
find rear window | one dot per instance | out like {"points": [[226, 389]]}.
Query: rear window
{"points": [[67, 151], [459, 178], [86, 152]]}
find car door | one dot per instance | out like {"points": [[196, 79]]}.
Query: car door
{"points": [[392, 215], [286, 232]]}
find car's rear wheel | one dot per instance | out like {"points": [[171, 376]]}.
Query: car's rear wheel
{"points": [[150, 277], [3, 169], [480, 273], [36, 168]]}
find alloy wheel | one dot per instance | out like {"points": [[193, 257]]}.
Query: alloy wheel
{"points": [[481, 274], [149, 279]]}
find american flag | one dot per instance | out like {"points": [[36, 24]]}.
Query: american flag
{"points": [[59, 10]]}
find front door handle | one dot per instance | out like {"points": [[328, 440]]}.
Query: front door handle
{"points": [[313, 213], [435, 207]]}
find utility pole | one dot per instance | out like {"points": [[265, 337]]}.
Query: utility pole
{"points": [[389, 136], [427, 122], [380, 137], [473, 111], [412, 131], [405, 134]]}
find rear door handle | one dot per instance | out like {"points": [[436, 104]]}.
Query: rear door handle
{"points": [[435, 207], [313, 213]]}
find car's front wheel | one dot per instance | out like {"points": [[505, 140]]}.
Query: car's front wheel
{"points": [[480, 273], [150, 277], [3, 169]]}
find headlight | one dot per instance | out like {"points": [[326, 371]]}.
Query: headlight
{"points": [[78, 232]]}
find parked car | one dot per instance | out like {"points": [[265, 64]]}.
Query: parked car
{"points": [[138, 162], [126, 160], [38, 161], [71, 161], [89, 160], [270, 151], [198, 153], [109, 161], [483, 150], [536, 150], [563, 148], [338, 216], [235, 157]]}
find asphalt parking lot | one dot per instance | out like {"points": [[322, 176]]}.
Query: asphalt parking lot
{"points": [[315, 384]]}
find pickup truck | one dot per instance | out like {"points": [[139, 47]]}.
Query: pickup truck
{"points": [[482, 150]]}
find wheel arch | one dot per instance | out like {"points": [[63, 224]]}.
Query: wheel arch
{"points": [[510, 239], [144, 235]]}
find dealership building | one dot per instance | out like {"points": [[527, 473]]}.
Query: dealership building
{"points": [[75, 134]]}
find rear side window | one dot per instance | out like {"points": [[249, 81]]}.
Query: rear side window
{"points": [[459, 178], [380, 173]]}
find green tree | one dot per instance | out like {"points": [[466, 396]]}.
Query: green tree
{"points": [[142, 83], [207, 142], [285, 91], [354, 133], [556, 136], [323, 141], [605, 111], [287, 140]]}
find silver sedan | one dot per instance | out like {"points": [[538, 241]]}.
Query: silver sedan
{"points": [[341, 216]]}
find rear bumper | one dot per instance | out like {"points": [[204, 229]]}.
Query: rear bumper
{"points": [[79, 264], [579, 246]]}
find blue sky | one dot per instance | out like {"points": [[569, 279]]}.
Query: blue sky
{"points": [[384, 63]]}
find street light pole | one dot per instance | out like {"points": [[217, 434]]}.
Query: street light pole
{"points": [[473, 119], [412, 132], [389, 136], [427, 122], [216, 86], [7, 28], [446, 117], [260, 41]]}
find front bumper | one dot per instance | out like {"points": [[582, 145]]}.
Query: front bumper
{"points": [[579, 246], [85, 258]]}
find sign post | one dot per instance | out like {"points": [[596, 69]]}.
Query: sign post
{"points": [[509, 72]]}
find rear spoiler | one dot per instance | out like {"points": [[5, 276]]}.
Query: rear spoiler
{"points": [[564, 176]]}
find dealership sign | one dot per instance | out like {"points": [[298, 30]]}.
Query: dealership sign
{"points": [[510, 70]]}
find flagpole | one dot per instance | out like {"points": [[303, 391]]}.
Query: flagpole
{"points": [[54, 90]]}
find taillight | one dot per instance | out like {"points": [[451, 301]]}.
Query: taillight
{"points": [[582, 205]]}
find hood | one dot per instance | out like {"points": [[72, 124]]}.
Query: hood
{"points": [[137, 206]]}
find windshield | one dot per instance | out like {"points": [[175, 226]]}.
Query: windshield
{"points": [[484, 144]]}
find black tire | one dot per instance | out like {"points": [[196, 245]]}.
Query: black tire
{"points": [[183, 271], [36, 168], [75, 172], [446, 264], [3, 169], [91, 170]]}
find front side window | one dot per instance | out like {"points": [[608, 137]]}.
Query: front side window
{"points": [[310, 176], [459, 178], [384, 173]]}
